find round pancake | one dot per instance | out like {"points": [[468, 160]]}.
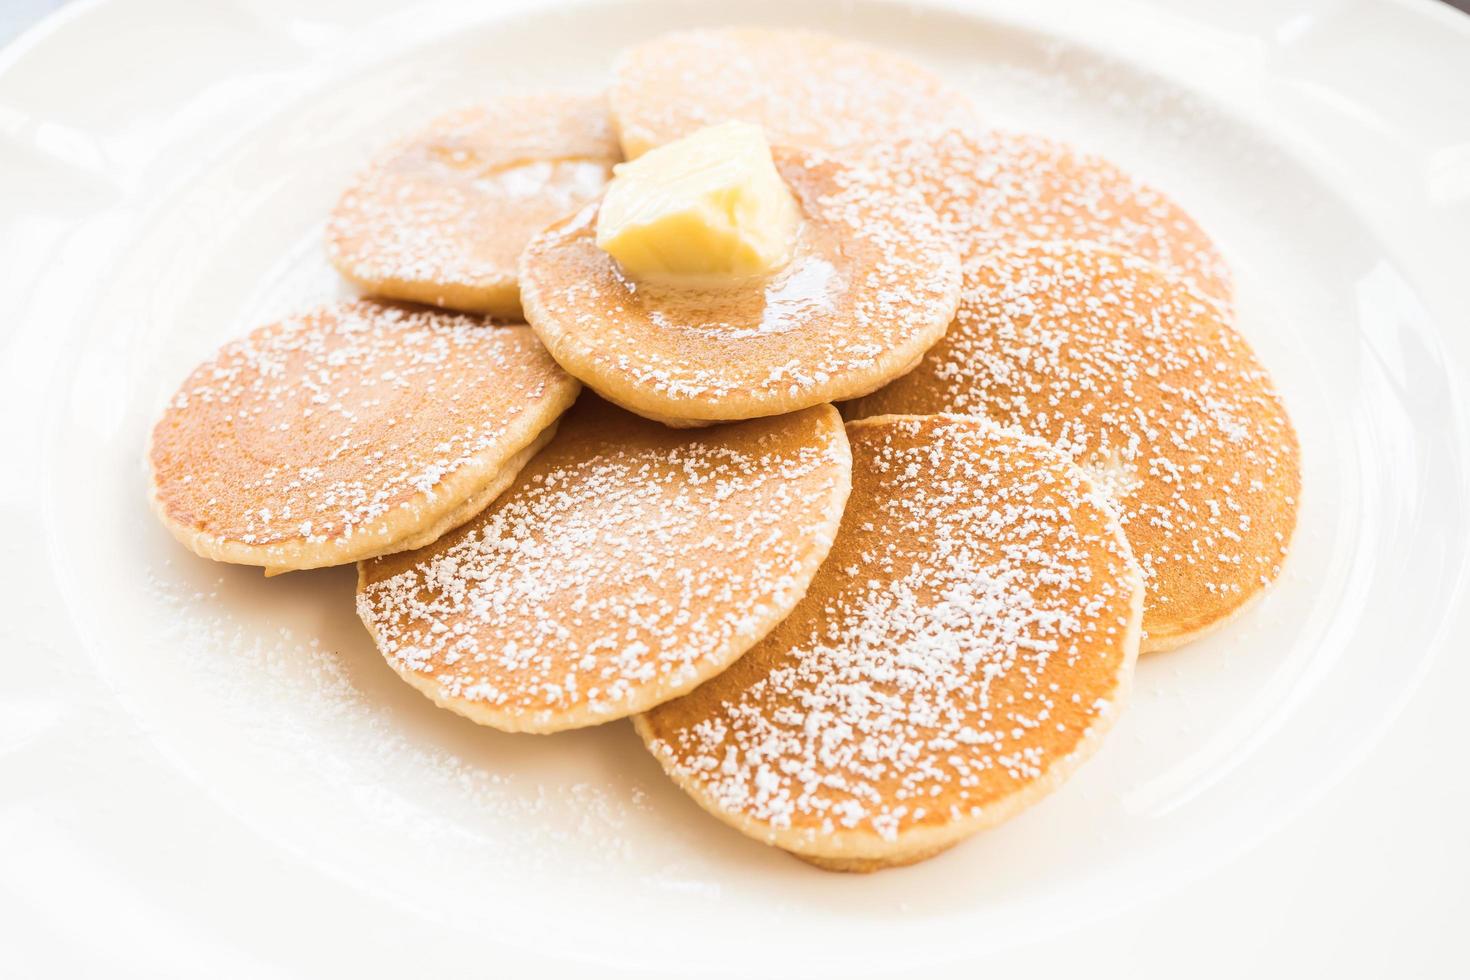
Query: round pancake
{"points": [[442, 216], [354, 430], [628, 563], [968, 640], [872, 285], [807, 89], [999, 189], [1140, 379]]}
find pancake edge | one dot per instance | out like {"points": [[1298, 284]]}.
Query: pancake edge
{"points": [[498, 297]]}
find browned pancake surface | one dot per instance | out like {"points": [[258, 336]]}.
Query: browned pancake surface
{"points": [[628, 562], [442, 216], [337, 434], [872, 286], [806, 89], [1139, 379], [997, 189], [964, 643]]}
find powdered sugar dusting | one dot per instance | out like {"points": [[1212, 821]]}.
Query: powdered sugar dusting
{"points": [[301, 698], [967, 634], [996, 189], [806, 89], [315, 428], [628, 562], [443, 215], [1137, 377]]}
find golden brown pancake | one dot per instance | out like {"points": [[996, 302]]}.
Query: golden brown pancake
{"points": [[354, 430], [999, 189], [442, 216], [968, 640], [628, 563], [807, 89], [1138, 377], [872, 285]]}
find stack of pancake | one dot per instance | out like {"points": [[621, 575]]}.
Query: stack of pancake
{"points": [[866, 549]]}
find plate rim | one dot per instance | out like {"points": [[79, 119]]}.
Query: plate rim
{"points": [[38, 35]]}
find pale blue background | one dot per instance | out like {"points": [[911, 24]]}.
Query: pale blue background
{"points": [[17, 15]]}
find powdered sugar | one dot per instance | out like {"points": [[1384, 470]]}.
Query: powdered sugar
{"points": [[1137, 377], [443, 215], [996, 189], [316, 428], [628, 561], [806, 89], [966, 635]]}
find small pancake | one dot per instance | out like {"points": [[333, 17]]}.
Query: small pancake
{"points": [[968, 640], [807, 89], [1138, 377], [442, 216], [999, 189], [872, 285], [628, 563], [354, 430]]}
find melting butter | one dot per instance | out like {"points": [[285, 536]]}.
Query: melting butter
{"points": [[702, 209]]}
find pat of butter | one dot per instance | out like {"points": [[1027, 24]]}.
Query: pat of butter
{"points": [[710, 206]]}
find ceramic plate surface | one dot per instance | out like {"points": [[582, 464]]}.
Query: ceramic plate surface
{"points": [[202, 766]]}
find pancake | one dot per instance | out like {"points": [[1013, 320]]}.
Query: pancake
{"points": [[999, 189], [806, 89], [1138, 377], [968, 640], [354, 430], [871, 286], [442, 216], [628, 563]]}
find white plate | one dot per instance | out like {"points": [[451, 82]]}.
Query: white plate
{"points": [[201, 767]]}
